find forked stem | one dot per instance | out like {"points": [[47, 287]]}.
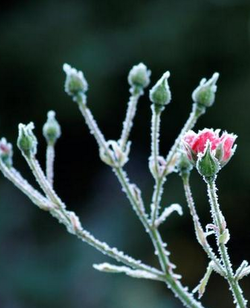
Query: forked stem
{"points": [[172, 282], [200, 234]]}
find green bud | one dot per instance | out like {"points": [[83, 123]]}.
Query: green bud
{"points": [[160, 94], [75, 82], [6, 152], [26, 140], [183, 165], [207, 164], [139, 76], [204, 94], [51, 129]]}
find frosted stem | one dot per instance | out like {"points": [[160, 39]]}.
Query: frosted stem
{"points": [[220, 223], [128, 122], [197, 225], [43, 182], [15, 177], [50, 158], [167, 267], [91, 123], [58, 210], [155, 131], [137, 206]]}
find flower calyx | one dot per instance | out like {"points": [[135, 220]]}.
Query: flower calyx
{"points": [[207, 164]]}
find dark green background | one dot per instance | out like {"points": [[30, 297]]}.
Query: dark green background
{"points": [[40, 264]]}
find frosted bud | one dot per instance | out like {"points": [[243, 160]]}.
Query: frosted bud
{"points": [[26, 140], [51, 129], [207, 165], [183, 165], [160, 94], [6, 152], [75, 82], [204, 94], [139, 77]]}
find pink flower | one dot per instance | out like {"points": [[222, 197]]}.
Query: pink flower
{"points": [[222, 147]]}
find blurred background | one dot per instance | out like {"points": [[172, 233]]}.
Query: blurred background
{"points": [[41, 265]]}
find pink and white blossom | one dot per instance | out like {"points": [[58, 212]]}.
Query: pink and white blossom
{"points": [[222, 147]]}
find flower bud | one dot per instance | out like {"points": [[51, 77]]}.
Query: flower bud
{"points": [[204, 94], [26, 140], [160, 94], [75, 82], [139, 76], [51, 129], [6, 152], [183, 165], [207, 165]]}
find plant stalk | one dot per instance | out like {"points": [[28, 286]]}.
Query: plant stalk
{"points": [[217, 218]]}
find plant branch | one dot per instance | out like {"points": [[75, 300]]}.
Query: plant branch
{"points": [[155, 132], [171, 279], [200, 234], [219, 221], [130, 114], [50, 158]]}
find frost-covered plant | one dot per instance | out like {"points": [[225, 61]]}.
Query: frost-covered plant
{"points": [[207, 151]]}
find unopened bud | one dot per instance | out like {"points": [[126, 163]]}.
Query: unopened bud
{"points": [[160, 94], [204, 94], [139, 77], [75, 82], [207, 164], [26, 140], [6, 152], [183, 165], [51, 129]]}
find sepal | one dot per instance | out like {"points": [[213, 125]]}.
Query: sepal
{"points": [[207, 164]]}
